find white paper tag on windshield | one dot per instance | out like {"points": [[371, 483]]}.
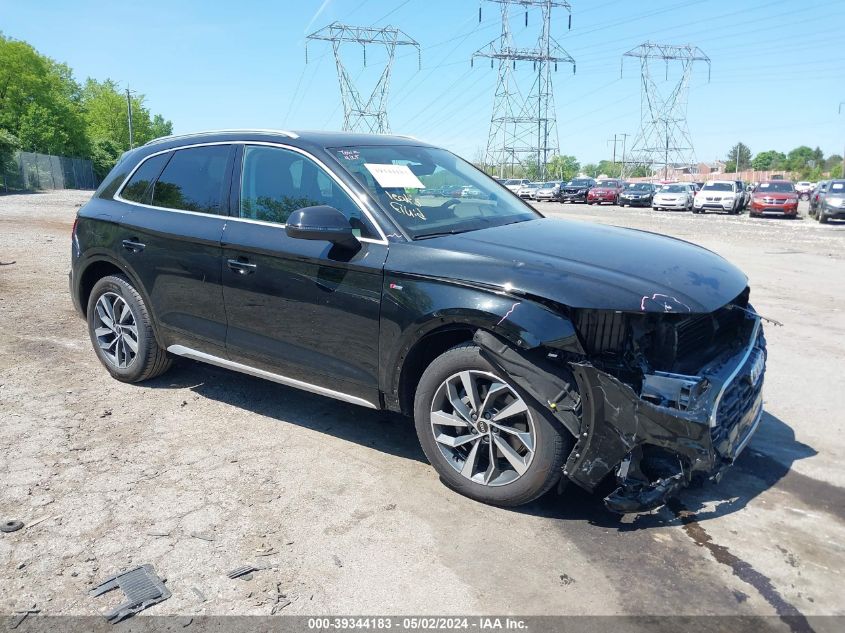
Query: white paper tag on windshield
{"points": [[391, 176]]}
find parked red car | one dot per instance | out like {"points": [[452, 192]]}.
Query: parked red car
{"points": [[774, 197], [606, 191]]}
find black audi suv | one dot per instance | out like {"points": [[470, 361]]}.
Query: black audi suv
{"points": [[525, 349]]}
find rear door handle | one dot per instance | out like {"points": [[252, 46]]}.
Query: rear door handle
{"points": [[241, 266], [133, 245]]}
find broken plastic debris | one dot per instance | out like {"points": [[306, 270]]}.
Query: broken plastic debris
{"points": [[239, 572], [142, 587]]}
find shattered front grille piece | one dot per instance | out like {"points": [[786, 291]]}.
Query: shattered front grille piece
{"points": [[142, 587]]}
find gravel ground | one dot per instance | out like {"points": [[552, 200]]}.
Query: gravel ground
{"points": [[201, 470]]}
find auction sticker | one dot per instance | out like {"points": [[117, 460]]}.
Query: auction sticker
{"points": [[393, 176]]}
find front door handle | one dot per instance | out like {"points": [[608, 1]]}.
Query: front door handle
{"points": [[241, 266], [133, 245]]}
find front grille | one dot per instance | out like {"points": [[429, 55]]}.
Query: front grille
{"points": [[738, 399], [683, 344]]}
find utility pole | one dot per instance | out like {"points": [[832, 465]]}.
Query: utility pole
{"points": [[663, 136], [523, 125], [624, 138], [841, 103], [359, 114], [129, 94]]}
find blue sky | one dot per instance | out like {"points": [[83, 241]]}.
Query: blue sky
{"points": [[778, 66]]}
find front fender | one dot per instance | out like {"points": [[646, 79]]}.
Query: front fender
{"points": [[414, 306]]}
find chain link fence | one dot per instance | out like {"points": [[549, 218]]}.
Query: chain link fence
{"points": [[30, 171]]}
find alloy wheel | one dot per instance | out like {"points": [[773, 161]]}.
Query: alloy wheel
{"points": [[483, 428], [116, 330]]}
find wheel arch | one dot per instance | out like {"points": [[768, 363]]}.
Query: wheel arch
{"points": [[524, 323], [101, 266]]}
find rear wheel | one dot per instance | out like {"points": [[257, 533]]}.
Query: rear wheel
{"points": [[485, 437], [820, 216], [121, 331]]}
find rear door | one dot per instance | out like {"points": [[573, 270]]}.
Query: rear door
{"points": [[171, 240], [303, 309]]}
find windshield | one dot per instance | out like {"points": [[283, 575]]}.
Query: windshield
{"points": [[607, 183], [549, 185], [776, 187], [640, 186], [674, 189], [513, 181], [408, 182], [837, 187], [718, 186], [580, 182]]}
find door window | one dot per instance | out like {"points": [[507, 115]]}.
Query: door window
{"points": [[194, 180], [138, 187], [275, 182]]}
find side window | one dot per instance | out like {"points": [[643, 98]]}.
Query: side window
{"points": [[275, 182], [194, 180], [138, 188]]}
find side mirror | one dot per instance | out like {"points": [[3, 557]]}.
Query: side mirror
{"points": [[321, 223]]}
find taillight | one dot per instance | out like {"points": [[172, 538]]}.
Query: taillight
{"points": [[73, 230]]}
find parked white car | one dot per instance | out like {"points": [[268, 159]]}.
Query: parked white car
{"points": [[548, 191], [718, 195], [803, 189], [515, 183], [674, 196], [528, 190]]}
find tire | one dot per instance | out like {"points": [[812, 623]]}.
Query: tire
{"points": [[149, 359], [820, 216], [506, 487]]}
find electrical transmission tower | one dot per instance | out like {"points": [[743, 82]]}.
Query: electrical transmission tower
{"points": [[359, 114], [663, 139], [523, 125]]}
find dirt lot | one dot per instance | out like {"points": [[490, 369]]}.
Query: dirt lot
{"points": [[197, 470]]}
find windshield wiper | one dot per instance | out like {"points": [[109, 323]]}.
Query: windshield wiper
{"points": [[425, 236]]}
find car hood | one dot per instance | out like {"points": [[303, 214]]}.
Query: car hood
{"points": [[583, 265]]}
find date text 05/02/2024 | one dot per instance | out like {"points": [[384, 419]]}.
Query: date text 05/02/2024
{"points": [[482, 623]]}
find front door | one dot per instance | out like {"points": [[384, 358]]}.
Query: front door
{"points": [[306, 310]]}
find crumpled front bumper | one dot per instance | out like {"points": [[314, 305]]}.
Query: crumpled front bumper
{"points": [[656, 440]]}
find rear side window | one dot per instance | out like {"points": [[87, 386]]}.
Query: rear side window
{"points": [[194, 180], [138, 188]]}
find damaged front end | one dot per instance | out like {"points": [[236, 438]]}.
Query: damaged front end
{"points": [[657, 398]]}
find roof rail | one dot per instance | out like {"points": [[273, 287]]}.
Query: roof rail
{"points": [[162, 139]]}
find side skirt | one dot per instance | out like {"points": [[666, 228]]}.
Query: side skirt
{"points": [[187, 352]]}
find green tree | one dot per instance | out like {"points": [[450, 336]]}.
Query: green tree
{"points": [[767, 160], [609, 168], [160, 127], [832, 162], [590, 169], [40, 102], [739, 158], [799, 158], [107, 119], [563, 167]]}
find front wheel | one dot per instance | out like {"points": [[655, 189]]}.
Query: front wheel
{"points": [[486, 437], [121, 331]]}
